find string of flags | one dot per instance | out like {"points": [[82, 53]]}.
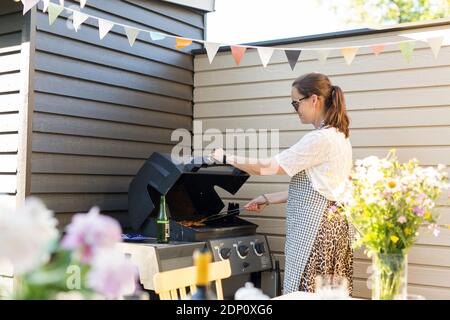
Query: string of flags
{"points": [[238, 51]]}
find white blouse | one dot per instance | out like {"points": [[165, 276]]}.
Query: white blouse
{"points": [[325, 154]]}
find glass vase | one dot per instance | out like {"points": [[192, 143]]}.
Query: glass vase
{"points": [[389, 281]]}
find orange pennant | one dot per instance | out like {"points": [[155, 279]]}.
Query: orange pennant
{"points": [[238, 53], [378, 49], [182, 42]]}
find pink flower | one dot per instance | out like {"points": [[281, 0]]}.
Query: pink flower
{"points": [[435, 229], [401, 219], [88, 232], [112, 274], [419, 211], [332, 209]]}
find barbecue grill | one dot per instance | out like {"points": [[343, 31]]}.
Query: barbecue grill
{"points": [[194, 207], [198, 217]]}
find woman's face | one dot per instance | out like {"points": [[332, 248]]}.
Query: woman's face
{"points": [[306, 107]]}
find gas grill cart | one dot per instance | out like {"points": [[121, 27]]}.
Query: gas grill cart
{"points": [[197, 218]]}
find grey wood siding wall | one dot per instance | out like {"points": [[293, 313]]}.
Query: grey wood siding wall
{"points": [[10, 89], [391, 103], [102, 107]]}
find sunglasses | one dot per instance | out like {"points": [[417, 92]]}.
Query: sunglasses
{"points": [[296, 103]]}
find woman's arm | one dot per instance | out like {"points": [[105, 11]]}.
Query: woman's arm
{"points": [[259, 167], [259, 203], [277, 197]]}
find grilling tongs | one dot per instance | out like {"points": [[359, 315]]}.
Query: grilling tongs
{"points": [[233, 210]]}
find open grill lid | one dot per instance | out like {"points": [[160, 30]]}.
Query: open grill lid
{"points": [[189, 188]]}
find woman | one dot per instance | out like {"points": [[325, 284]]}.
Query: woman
{"points": [[317, 241]]}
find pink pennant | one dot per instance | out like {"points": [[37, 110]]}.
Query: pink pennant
{"points": [[238, 53], [378, 49], [28, 4]]}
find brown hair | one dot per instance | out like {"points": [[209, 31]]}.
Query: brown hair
{"points": [[333, 96]]}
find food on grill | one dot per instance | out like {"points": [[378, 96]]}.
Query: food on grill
{"points": [[193, 223]]}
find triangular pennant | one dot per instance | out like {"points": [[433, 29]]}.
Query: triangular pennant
{"points": [[82, 3], [28, 4], [182, 42], [349, 54], [104, 26], [156, 36], [323, 55], [377, 49], [238, 52], [53, 12], [292, 56], [78, 19], [211, 50], [435, 45], [46, 2], [407, 49], [132, 34], [265, 54]]}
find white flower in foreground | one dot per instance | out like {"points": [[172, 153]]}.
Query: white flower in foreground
{"points": [[112, 274], [27, 235]]}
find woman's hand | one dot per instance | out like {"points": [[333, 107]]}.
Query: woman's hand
{"points": [[258, 204]]}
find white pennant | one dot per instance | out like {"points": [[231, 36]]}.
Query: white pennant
{"points": [[46, 2], [211, 50], [104, 27], [323, 55], [82, 3], [28, 4], [156, 36], [435, 45], [265, 54], [78, 19], [132, 34]]}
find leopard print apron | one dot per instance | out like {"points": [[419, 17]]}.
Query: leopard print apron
{"points": [[314, 244]]}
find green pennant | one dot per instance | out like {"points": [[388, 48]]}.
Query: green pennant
{"points": [[54, 11], [407, 49]]}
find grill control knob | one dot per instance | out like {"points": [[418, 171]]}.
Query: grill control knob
{"points": [[243, 250], [225, 253], [260, 248]]}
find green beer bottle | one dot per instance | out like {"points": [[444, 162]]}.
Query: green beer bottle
{"points": [[162, 223]]}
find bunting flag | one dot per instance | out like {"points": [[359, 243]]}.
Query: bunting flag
{"points": [[182, 42], [435, 45], [349, 54], [407, 49], [78, 19], [238, 52], [211, 50], [377, 49], [54, 11], [265, 54], [46, 2], [156, 36], [292, 56], [323, 55], [104, 26], [132, 34], [28, 4]]}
